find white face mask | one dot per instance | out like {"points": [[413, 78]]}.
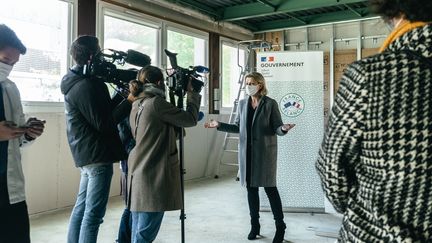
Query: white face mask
{"points": [[251, 90], [5, 70]]}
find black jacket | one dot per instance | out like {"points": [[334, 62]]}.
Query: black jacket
{"points": [[91, 118]]}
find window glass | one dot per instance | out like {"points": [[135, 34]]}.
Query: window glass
{"points": [[123, 34], [191, 51], [232, 57], [43, 27]]}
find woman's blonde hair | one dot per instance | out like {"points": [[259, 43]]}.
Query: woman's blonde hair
{"points": [[259, 79]]}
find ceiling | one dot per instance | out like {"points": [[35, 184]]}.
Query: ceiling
{"points": [[266, 15]]}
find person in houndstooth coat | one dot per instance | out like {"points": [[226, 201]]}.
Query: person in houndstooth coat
{"points": [[375, 162]]}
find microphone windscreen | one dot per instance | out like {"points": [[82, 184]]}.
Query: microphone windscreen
{"points": [[200, 115], [201, 69], [137, 58]]}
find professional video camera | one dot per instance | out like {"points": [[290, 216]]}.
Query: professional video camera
{"points": [[179, 77], [102, 65]]}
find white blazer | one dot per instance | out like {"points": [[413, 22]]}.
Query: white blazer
{"points": [[14, 112]]}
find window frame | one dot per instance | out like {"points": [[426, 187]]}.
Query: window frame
{"points": [[30, 106], [131, 16], [232, 43], [169, 26], [163, 26]]}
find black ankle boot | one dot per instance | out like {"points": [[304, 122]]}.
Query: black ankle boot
{"points": [[255, 230], [280, 233]]}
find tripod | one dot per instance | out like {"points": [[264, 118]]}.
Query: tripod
{"points": [[180, 132]]}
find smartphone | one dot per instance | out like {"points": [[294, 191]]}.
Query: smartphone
{"points": [[34, 122]]}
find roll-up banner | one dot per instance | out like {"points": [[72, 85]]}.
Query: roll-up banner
{"points": [[295, 81]]}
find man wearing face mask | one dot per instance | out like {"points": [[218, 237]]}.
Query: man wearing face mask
{"points": [[14, 133], [154, 167], [258, 122]]}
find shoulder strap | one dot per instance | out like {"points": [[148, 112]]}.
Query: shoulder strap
{"points": [[138, 115]]}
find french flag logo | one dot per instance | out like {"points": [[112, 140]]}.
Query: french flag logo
{"points": [[271, 59], [294, 104]]}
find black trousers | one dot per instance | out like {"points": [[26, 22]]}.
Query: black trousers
{"points": [[275, 204], [14, 219]]}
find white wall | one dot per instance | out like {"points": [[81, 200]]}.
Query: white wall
{"points": [[52, 179]]}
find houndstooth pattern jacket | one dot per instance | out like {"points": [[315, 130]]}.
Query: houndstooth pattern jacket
{"points": [[375, 162]]}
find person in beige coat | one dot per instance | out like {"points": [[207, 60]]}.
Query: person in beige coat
{"points": [[154, 178]]}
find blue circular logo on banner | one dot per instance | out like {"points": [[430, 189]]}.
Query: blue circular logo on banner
{"points": [[292, 105]]}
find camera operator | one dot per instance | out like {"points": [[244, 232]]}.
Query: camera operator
{"points": [[91, 118], [154, 167]]}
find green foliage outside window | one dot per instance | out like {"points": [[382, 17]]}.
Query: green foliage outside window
{"points": [[184, 46]]}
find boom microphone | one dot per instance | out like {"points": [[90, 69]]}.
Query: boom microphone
{"points": [[201, 69], [137, 58], [172, 58]]}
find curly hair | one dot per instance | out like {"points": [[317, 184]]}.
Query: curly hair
{"points": [[413, 10]]}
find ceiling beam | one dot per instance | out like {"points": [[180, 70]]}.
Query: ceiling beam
{"points": [[298, 19], [268, 4], [314, 19], [258, 9], [246, 25], [198, 6], [353, 10]]}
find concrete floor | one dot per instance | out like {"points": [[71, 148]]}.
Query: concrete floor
{"points": [[216, 212]]}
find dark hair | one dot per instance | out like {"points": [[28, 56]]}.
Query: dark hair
{"points": [[147, 74], [83, 48], [150, 74], [414, 10], [8, 38]]}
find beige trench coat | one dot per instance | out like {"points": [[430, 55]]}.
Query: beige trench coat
{"points": [[154, 166]]}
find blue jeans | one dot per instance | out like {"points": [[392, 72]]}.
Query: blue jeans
{"points": [[125, 228], [145, 226], [91, 202], [124, 234]]}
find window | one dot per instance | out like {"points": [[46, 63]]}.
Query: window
{"points": [[122, 34], [191, 49], [44, 28], [123, 29], [232, 58]]}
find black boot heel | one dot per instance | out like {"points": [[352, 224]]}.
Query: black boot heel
{"points": [[280, 233], [255, 230]]}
